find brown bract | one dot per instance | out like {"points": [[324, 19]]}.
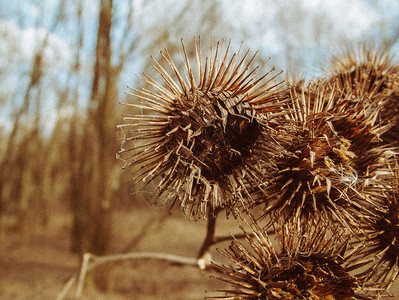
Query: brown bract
{"points": [[198, 134]]}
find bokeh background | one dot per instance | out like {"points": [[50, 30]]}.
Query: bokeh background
{"points": [[64, 69]]}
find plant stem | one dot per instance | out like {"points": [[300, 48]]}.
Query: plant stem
{"points": [[204, 256]]}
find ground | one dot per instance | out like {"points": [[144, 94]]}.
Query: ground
{"points": [[37, 265]]}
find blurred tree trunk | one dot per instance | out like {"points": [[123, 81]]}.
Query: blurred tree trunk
{"points": [[75, 152], [103, 96], [93, 200]]}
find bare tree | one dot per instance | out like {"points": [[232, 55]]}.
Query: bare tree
{"points": [[25, 141]]}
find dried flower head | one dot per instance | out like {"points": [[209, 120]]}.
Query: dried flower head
{"points": [[307, 264], [363, 70], [380, 253], [372, 72], [316, 175], [390, 113], [198, 136]]}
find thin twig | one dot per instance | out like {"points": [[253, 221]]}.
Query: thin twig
{"points": [[91, 261], [82, 276], [67, 287], [224, 238], [98, 260]]}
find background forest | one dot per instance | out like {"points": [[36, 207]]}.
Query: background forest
{"points": [[64, 68]]}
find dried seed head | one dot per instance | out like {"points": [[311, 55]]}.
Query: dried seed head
{"points": [[390, 112], [199, 133], [371, 72], [363, 70], [380, 254], [315, 174], [308, 264]]}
